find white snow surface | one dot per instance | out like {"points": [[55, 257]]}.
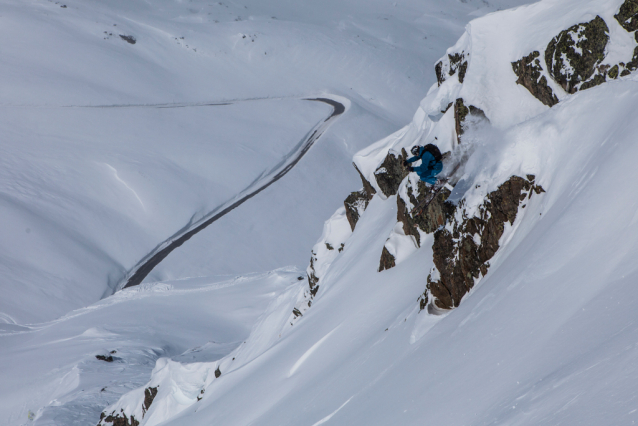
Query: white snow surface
{"points": [[88, 192], [96, 172]]}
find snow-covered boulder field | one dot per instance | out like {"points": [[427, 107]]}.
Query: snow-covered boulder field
{"points": [[509, 299]]}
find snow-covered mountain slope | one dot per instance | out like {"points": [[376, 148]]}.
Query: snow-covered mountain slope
{"points": [[55, 364], [87, 193], [110, 146], [543, 331]]}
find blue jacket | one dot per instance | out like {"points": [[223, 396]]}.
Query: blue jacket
{"points": [[429, 167]]}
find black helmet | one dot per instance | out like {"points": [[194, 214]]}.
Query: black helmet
{"points": [[415, 150]]}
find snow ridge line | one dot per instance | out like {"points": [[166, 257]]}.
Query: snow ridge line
{"points": [[136, 275]]}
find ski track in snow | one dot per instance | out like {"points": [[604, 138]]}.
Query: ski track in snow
{"points": [[146, 265], [309, 352], [151, 260], [329, 416]]}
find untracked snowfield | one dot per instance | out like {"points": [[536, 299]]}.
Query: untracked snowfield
{"points": [[125, 122]]}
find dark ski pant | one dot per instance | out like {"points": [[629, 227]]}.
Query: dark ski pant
{"points": [[429, 174]]}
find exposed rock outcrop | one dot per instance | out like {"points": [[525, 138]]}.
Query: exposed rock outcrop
{"points": [[391, 173], [461, 114], [573, 55], [428, 221], [336, 231], [357, 202], [446, 69], [387, 260], [149, 396], [631, 65], [312, 277], [574, 58], [529, 73], [106, 358], [627, 16], [367, 187], [119, 419], [462, 249], [355, 205]]}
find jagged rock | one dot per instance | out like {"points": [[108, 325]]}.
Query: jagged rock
{"points": [[355, 205], [633, 64], [119, 419], [434, 216], [149, 396], [313, 291], [455, 62], [387, 260], [107, 358], [613, 72], [528, 70], [218, 373], [128, 38], [461, 112], [463, 249], [438, 69], [627, 16], [312, 278], [571, 57], [391, 173], [367, 187], [597, 80], [458, 62], [358, 201]]}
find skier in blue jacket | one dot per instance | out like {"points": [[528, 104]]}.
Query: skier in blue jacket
{"points": [[431, 164]]}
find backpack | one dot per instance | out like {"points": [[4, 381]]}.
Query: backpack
{"points": [[434, 150]]}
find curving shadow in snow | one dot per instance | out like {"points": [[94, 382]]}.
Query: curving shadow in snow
{"points": [[146, 265]]}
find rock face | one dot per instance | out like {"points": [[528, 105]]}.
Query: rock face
{"points": [[369, 189], [461, 114], [387, 260], [455, 62], [121, 419], [631, 65], [312, 277], [106, 358], [431, 218], [391, 173], [357, 202], [462, 249], [149, 396], [627, 16], [572, 56], [118, 420], [528, 70]]}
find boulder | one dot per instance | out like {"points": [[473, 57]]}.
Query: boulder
{"points": [[627, 16], [528, 70], [572, 56]]}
